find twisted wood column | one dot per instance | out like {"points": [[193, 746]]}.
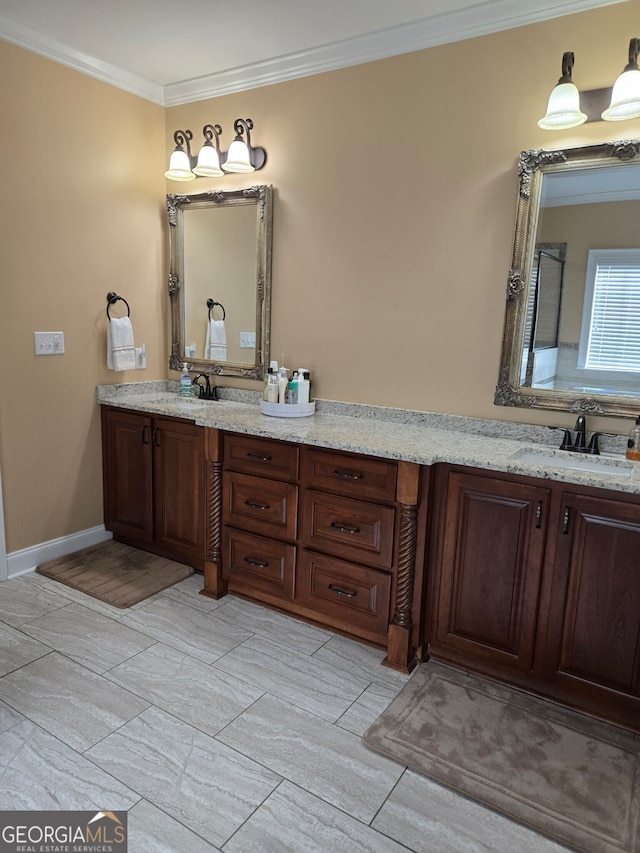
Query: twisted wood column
{"points": [[214, 512], [406, 566], [215, 585], [401, 652]]}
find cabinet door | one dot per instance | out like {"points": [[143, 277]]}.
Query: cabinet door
{"points": [[127, 461], [179, 488], [491, 562], [593, 636]]}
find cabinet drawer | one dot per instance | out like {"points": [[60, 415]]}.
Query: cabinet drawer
{"points": [[258, 563], [346, 474], [260, 505], [356, 596], [261, 456], [349, 528]]}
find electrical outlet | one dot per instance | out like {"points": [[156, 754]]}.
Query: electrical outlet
{"points": [[48, 343], [248, 340]]}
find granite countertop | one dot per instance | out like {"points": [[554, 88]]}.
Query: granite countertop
{"points": [[423, 437]]}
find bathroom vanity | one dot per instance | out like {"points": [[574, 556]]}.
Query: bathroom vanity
{"points": [[424, 534]]}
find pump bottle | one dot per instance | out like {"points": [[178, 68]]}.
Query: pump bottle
{"points": [[303, 385], [185, 381], [633, 444]]}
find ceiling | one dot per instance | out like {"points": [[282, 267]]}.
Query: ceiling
{"points": [[177, 51]]}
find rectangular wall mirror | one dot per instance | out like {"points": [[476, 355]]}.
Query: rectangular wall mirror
{"points": [[220, 280], [571, 336]]}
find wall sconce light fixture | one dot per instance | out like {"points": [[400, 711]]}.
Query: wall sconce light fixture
{"points": [[211, 162], [568, 107]]}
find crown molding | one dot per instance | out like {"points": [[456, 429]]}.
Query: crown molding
{"points": [[480, 19], [57, 51]]}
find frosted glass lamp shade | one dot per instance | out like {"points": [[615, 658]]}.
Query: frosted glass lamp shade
{"points": [[179, 166], [563, 109], [238, 159], [208, 165], [625, 98]]}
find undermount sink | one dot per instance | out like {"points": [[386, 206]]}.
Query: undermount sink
{"points": [[613, 465]]}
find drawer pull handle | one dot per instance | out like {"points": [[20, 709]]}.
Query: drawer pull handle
{"points": [[256, 506], [565, 520], [347, 475], [344, 592], [257, 458], [258, 564], [145, 434], [344, 528], [539, 515]]}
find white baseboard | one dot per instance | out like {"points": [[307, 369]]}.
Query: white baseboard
{"points": [[26, 560]]}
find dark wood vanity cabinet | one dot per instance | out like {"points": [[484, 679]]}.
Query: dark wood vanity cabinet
{"points": [[348, 537], [590, 636], [492, 552], [317, 532], [153, 476], [260, 516], [538, 584]]}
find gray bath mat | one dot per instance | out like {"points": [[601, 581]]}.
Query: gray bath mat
{"points": [[562, 773]]}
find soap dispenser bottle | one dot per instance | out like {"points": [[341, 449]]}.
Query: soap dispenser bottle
{"points": [[633, 444], [185, 381]]}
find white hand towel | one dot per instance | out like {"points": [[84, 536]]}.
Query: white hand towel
{"points": [[121, 352], [215, 347]]}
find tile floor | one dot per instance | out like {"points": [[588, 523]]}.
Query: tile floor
{"points": [[219, 725]]}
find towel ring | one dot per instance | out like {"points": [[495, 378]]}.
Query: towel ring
{"points": [[211, 305], [112, 298]]}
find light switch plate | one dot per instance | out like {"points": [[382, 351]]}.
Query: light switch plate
{"points": [[48, 343], [248, 340]]}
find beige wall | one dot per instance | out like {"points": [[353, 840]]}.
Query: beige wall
{"points": [[394, 211], [395, 203], [82, 214]]}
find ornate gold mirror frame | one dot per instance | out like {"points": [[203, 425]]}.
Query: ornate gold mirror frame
{"points": [[220, 267], [589, 163]]}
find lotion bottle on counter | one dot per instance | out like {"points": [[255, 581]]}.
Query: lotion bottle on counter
{"points": [[283, 382], [633, 444], [303, 385], [271, 384]]}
